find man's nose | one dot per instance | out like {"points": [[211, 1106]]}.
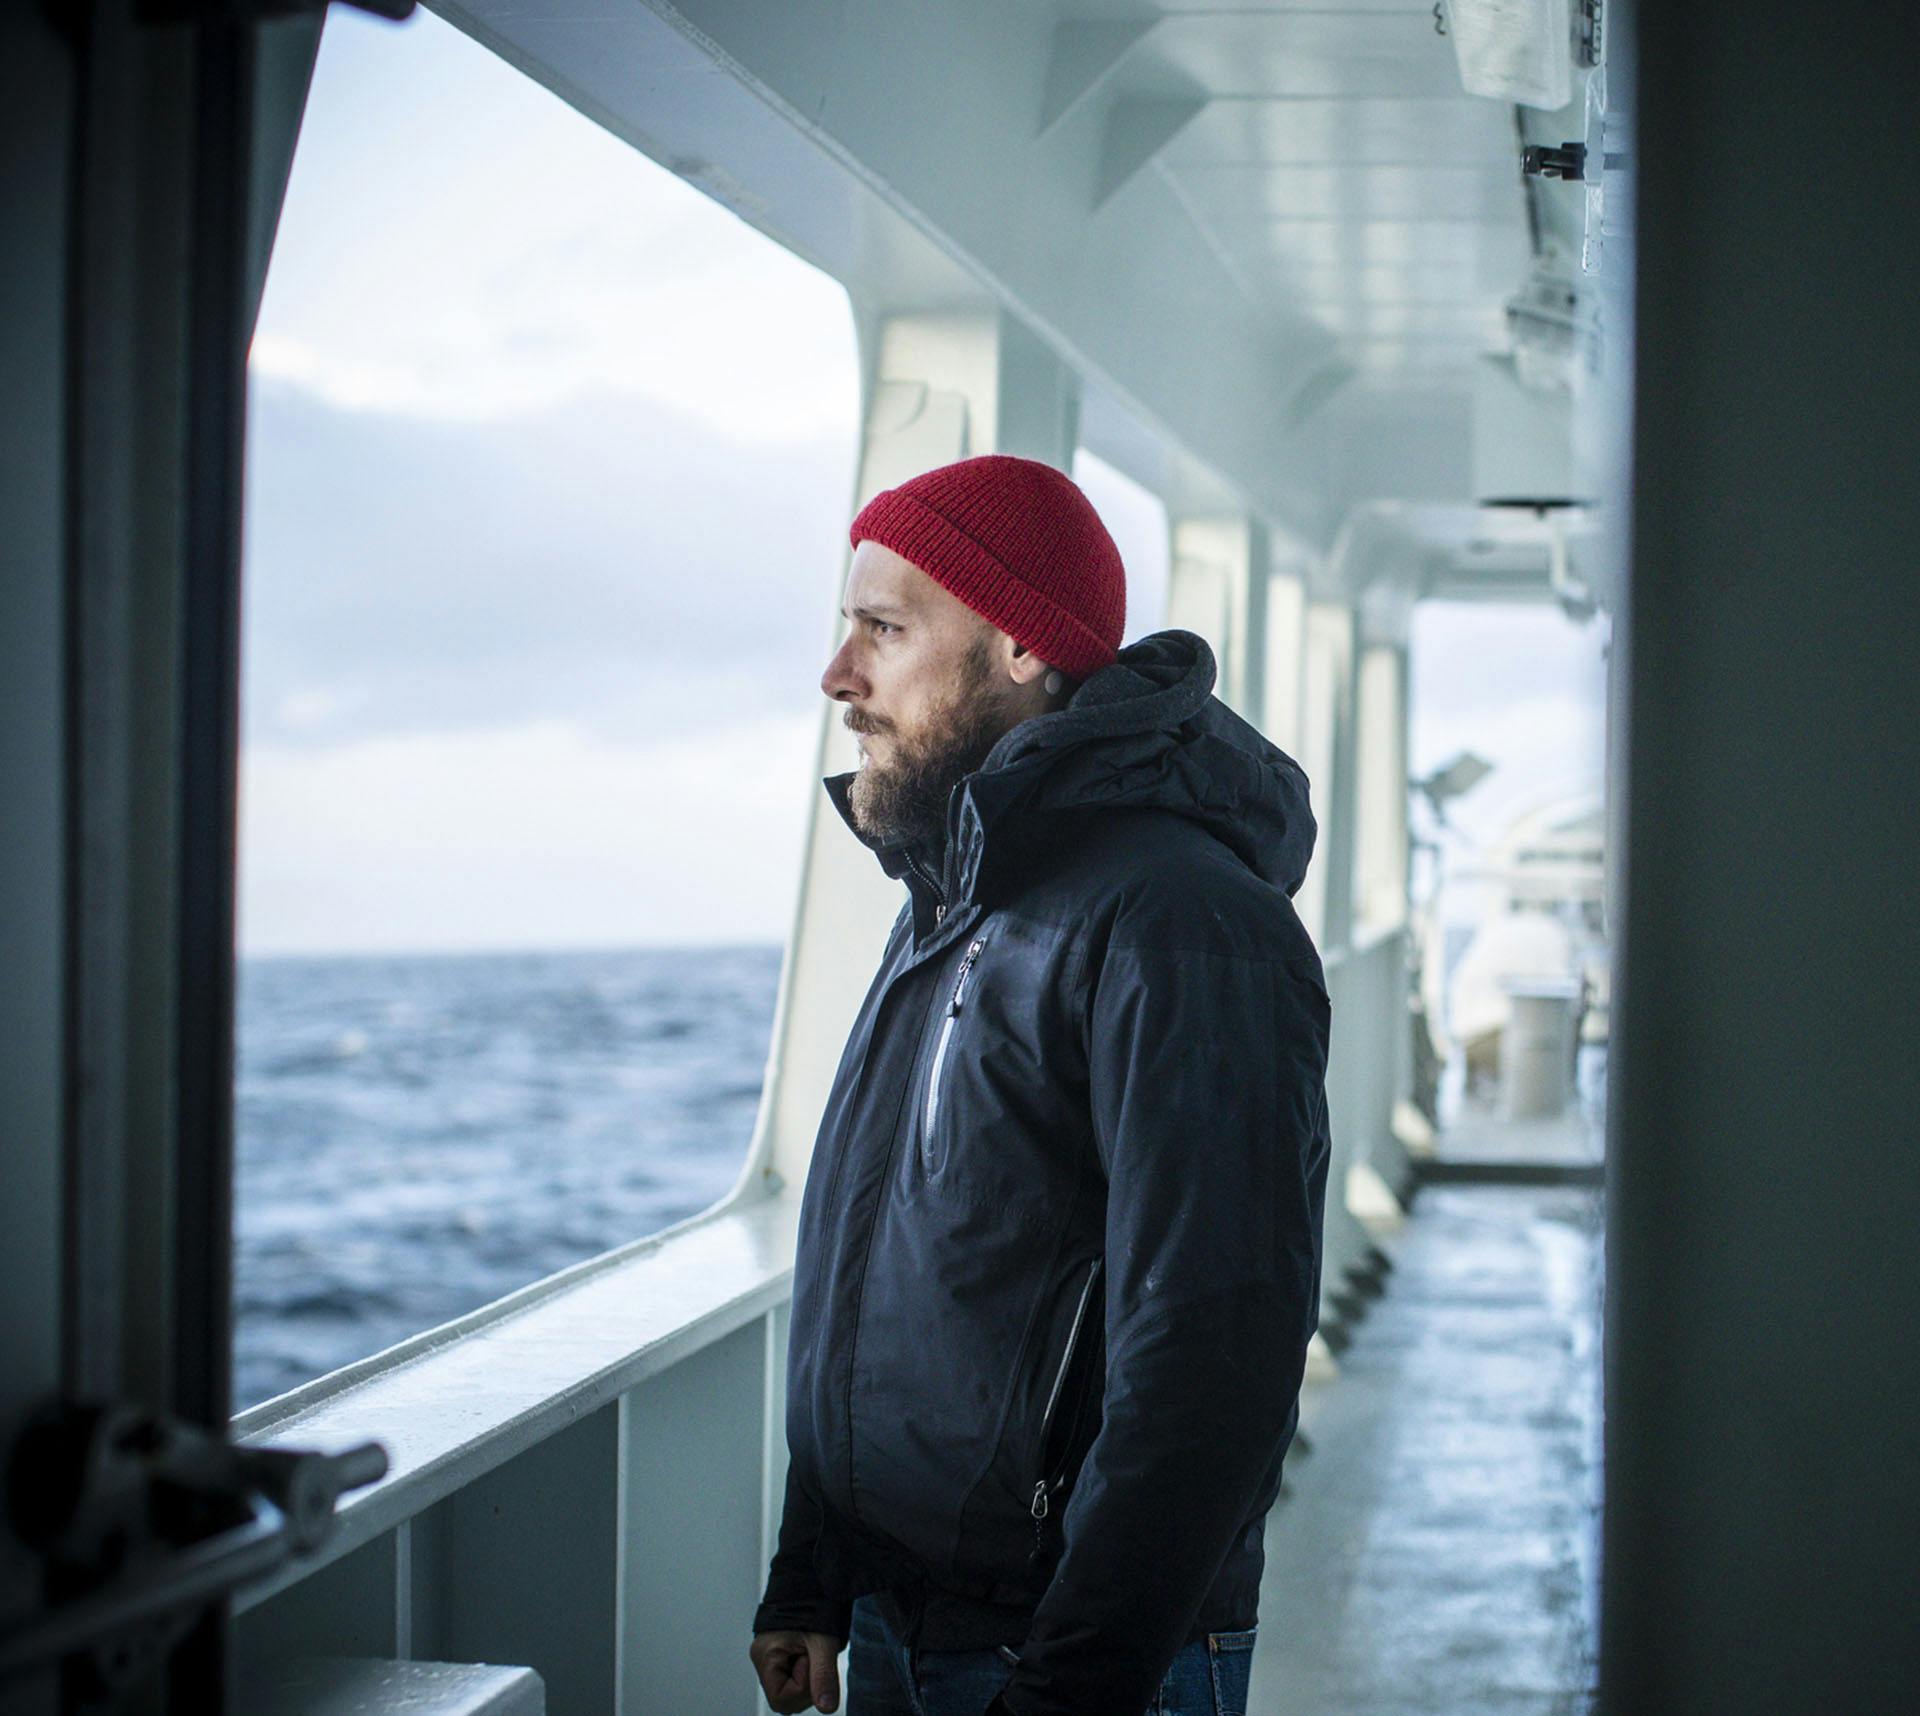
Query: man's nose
{"points": [[842, 681]]}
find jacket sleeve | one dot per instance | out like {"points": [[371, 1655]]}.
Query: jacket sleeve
{"points": [[1207, 1083], [793, 1598]]}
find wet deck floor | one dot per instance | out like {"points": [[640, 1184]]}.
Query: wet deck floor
{"points": [[1435, 1551]]}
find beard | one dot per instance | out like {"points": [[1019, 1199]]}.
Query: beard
{"points": [[904, 800]]}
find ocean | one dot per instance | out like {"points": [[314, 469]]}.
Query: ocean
{"points": [[418, 1135]]}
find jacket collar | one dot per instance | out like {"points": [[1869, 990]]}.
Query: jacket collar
{"points": [[897, 860], [893, 857], [975, 807]]}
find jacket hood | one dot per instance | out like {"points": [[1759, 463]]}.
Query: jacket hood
{"points": [[1144, 732]]}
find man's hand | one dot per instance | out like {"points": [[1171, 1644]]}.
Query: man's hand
{"points": [[798, 1671]]}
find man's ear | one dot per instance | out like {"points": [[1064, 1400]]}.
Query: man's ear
{"points": [[1023, 666]]}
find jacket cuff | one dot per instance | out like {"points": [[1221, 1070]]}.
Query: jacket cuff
{"points": [[805, 1615]]}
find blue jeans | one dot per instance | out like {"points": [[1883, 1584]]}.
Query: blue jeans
{"points": [[886, 1677]]}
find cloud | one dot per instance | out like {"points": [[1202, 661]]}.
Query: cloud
{"points": [[754, 359], [605, 563], [527, 835], [314, 708], [458, 244]]}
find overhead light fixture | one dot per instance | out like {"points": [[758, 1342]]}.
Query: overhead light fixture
{"points": [[1450, 781], [1514, 50]]}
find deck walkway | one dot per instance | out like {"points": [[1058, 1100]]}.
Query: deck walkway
{"points": [[1434, 1553]]}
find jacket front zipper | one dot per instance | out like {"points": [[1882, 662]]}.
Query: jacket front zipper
{"points": [[1047, 1485], [927, 876], [940, 1050]]}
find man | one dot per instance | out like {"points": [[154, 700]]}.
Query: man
{"points": [[1059, 1247]]}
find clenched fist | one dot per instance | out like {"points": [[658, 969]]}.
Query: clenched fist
{"points": [[798, 1671]]}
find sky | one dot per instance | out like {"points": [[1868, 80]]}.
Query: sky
{"points": [[550, 463], [1522, 686]]}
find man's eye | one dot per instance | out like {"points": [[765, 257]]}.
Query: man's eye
{"points": [[885, 626]]}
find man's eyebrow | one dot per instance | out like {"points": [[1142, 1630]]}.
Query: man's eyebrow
{"points": [[874, 611]]}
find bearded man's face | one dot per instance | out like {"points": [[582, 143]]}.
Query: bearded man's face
{"points": [[929, 686], [902, 796]]}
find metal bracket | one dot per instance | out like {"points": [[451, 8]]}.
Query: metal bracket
{"points": [[1568, 161], [142, 1522]]}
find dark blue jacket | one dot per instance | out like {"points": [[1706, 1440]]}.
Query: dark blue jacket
{"points": [[1059, 1248]]}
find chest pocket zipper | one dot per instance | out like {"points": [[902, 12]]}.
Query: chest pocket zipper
{"points": [[940, 1050], [1047, 1485]]}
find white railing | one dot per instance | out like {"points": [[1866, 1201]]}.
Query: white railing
{"points": [[1370, 1065], [585, 1474], [581, 1480], [1367, 985]]}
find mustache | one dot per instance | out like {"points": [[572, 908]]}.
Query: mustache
{"points": [[858, 722]]}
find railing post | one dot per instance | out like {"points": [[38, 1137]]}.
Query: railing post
{"points": [[692, 1518]]}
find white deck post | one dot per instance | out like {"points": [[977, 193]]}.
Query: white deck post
{"points": [[1380, 856], [1382, 866], [1217, 586], [1283, 714], [1326, 898]]}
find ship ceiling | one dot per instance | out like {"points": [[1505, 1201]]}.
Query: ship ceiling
{"points": [[1274, 240]]}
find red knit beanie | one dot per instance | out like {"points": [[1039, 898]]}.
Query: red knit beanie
{"points": [[1019, 543]]}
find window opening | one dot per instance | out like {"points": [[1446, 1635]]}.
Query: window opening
{"points": [[549, 462], [1511, 887]]}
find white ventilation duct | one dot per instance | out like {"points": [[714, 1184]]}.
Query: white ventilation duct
{"points": [[1522, 438]]}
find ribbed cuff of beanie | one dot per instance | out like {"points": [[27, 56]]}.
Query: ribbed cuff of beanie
{"points": [[954, 560]]}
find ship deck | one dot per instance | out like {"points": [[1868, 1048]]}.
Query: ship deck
{"points": [[1436, 1548]]}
